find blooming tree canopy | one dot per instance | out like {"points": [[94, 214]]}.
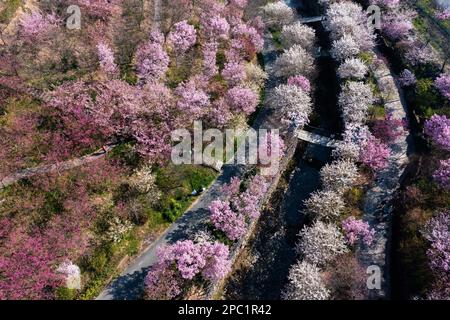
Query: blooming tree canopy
{"points": [[182, 37], [442, 174], [152, 62], [354, 100], [293, 103], [321, 243], [353, 68], [106, 58], [339, 175], [226, 220], [294, 61], [301, 82], [437, 232], [407, 78], [375, 154], [325, 204], [438, 128], [355, 229], [443, 85], [298, 33], [305, 283], [344, 48], [277, 14]]}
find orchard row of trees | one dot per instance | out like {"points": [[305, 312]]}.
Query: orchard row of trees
{"points": [[326, 267]]}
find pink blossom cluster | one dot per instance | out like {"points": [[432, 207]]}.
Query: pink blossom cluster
{"points": [[355, 229], [216, 27], [437, 231], [438, 129], [152, 62], [248, 203], [443, 14], [234, 73], [183, 261], [232, 214], [242, 99], [232, 188], [301, 82], [375, 154], [397, 25], [36, 25], [388, 129], [106, 58], [191, 100], [407, 78], [210, 68], [443, 85], [231, 223], [442, 174], [249, 34]]}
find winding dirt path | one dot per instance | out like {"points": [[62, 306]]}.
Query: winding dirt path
{"points": [[56, 167]]}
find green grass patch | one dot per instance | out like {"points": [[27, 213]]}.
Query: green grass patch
{"points": [[377, 112], [177, 184], [366, 56], [9, 9], [427, 98], [276, 36]]}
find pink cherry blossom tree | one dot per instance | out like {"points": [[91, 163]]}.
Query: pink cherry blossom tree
{"points": [[231, 223], [355, 230], [106, 58], [438, 129], [242, 99], [375, 154], [407, 78], [301, 82], [443, 85], [182, 37], [442, 174], [152, 62]]}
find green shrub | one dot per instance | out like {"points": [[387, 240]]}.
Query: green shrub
{"points": [[427, 98], [9, 9], [377, 111], [172, 210], [355, 196], [97, 263], [133, 244], [63, 293], [276, 36], [220, 59], [126, 154], [366, 56]]}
